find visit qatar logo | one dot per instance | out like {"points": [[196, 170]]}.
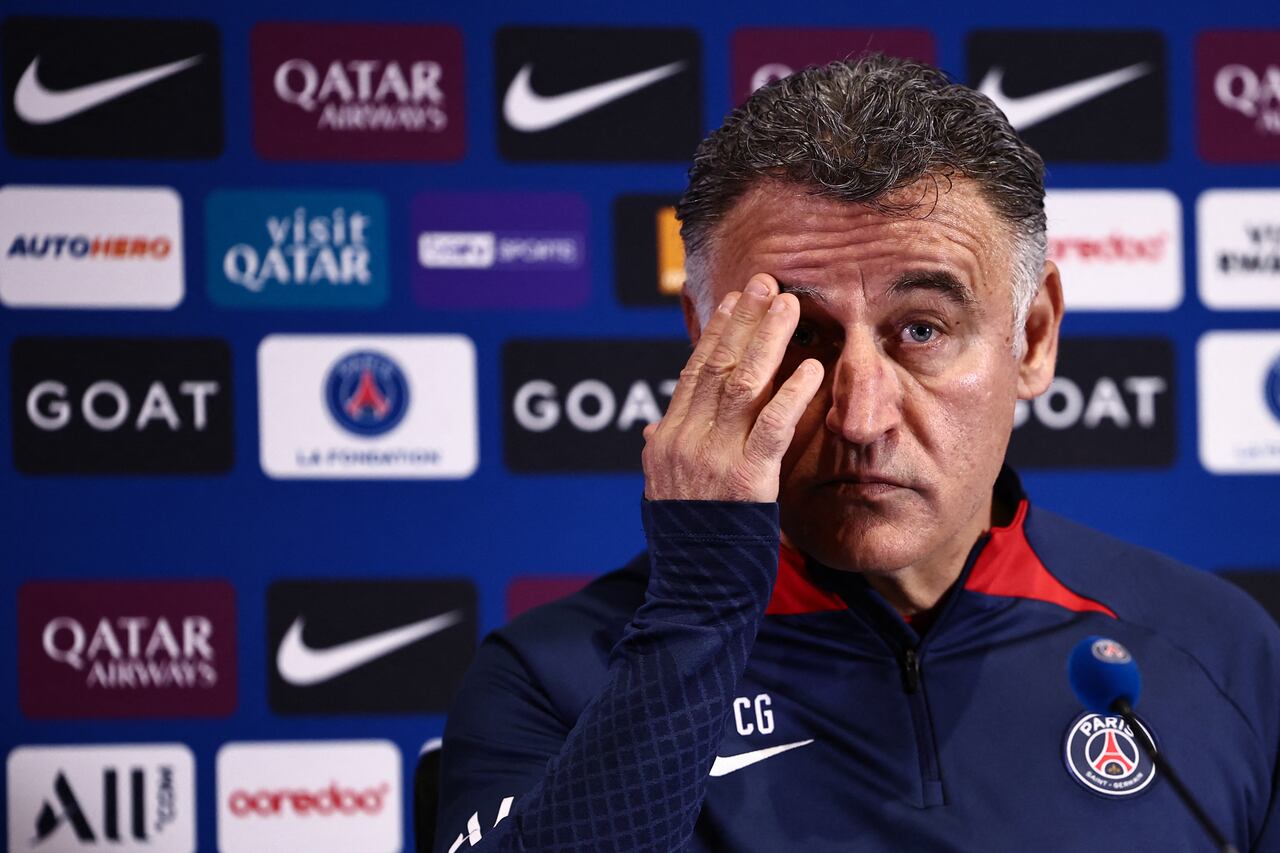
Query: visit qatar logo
{"points": [[367, 393], [1102, 754]]}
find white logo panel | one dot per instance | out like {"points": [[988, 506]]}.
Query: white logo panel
{"points": [[1238, 248], [123, 798], [1119, 250], [90, 247], [1238, 377], [317, 796], [367, 407]]}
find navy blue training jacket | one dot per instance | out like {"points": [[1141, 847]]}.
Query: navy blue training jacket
{"points": [[713, 696]]}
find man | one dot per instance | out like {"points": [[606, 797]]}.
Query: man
{"points": [[869, 297]]}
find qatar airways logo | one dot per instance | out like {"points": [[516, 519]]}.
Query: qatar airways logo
{"points": [[1254, 94], [127, 649], [1117, 249], [1238, 95], [318, 796], [357, 91]]}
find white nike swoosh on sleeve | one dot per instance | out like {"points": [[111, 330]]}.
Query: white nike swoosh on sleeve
{"points": [[526, 110], [301, 665], [35, 104], [726, 764], [1030, 110]]}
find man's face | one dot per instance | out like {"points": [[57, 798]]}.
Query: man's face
{"points": [[893, 462]]}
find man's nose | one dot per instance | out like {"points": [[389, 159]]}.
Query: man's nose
{"points": [[866, 392]]}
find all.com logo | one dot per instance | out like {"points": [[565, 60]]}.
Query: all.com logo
{"points": [[1272, 390]]}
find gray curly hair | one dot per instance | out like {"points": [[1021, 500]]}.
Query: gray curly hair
{"points": [[857, 131]]}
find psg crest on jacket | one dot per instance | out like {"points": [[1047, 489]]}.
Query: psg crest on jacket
{"points": [[1102, 754], [367, 393]]}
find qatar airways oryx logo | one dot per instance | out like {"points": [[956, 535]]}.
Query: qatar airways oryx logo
{"points": [[126, 649], [1238, 239], [1238, 95], [318, 796], [368, 407], [357, 91], [1102, 754], [90, 247], [304, 249], [1117, 249], [1238, 379], [132, 798]]}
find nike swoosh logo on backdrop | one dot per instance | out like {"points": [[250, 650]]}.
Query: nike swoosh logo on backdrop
{"points": [[301, 665], [724, 765], [526, 110], [1029, 110], [35, 104]]}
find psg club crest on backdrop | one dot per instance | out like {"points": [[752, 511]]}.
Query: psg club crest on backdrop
{"points": [[367, 393], [1102, 754]]}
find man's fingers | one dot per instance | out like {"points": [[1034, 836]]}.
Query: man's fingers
{"points": [[707, 343], [735, 336], [745, 387], [776, 423]]}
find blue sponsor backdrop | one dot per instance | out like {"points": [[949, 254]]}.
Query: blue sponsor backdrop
{"points": [[496, 525]]}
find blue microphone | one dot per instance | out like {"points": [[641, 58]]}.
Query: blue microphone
{"points": [[1105, 678]]}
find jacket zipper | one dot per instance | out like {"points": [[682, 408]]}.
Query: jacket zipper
{"points": [[922, 722]]}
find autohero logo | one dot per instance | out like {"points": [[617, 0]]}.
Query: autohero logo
{"points": [[1069, 109], [1238, 95], [1117, 249], [305, 249], [1111, 405], [319, 796], [1238, 381], [647, 249], [342, 647], [761, 56], [572, 94], [118, 406], [126, 649], [582, 405], [134, 797], [1238, 234], [367, 407], [501, 250], [358, 91], [90, 247], [111, 87]]}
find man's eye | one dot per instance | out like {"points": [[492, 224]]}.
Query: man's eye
{"points": [[803, 336], [920, 333]]}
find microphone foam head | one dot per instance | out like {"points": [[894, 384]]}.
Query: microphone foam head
{"points": [[1102, 671]]}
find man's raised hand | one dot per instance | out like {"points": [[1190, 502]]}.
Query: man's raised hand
{"points": [[722, 437]]}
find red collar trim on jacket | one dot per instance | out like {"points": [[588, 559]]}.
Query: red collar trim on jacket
{"points": [[1007, 566]]}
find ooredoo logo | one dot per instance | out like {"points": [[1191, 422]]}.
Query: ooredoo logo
{"points": [[133, 798], [321, 796], [501, 250], [1238, 380], [582, 405], [90, 247], [370, 407], [358, 91], [126, 649], [114, 406], [761, 56], [1117, 249], [1238, 95], [300, 249], [1111, 405], [1238, 239]]}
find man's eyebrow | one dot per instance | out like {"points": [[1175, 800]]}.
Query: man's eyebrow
{"points": [[944, 283], [801, 291]]}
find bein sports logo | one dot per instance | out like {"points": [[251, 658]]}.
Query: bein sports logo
{"points": [[367, 393]]}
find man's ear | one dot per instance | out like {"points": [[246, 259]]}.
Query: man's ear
{"points": [[691, 321], [1035, 368]]}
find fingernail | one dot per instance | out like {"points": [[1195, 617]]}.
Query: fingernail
{"points": [[756, 287], [726, 306], [778, 306]]}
